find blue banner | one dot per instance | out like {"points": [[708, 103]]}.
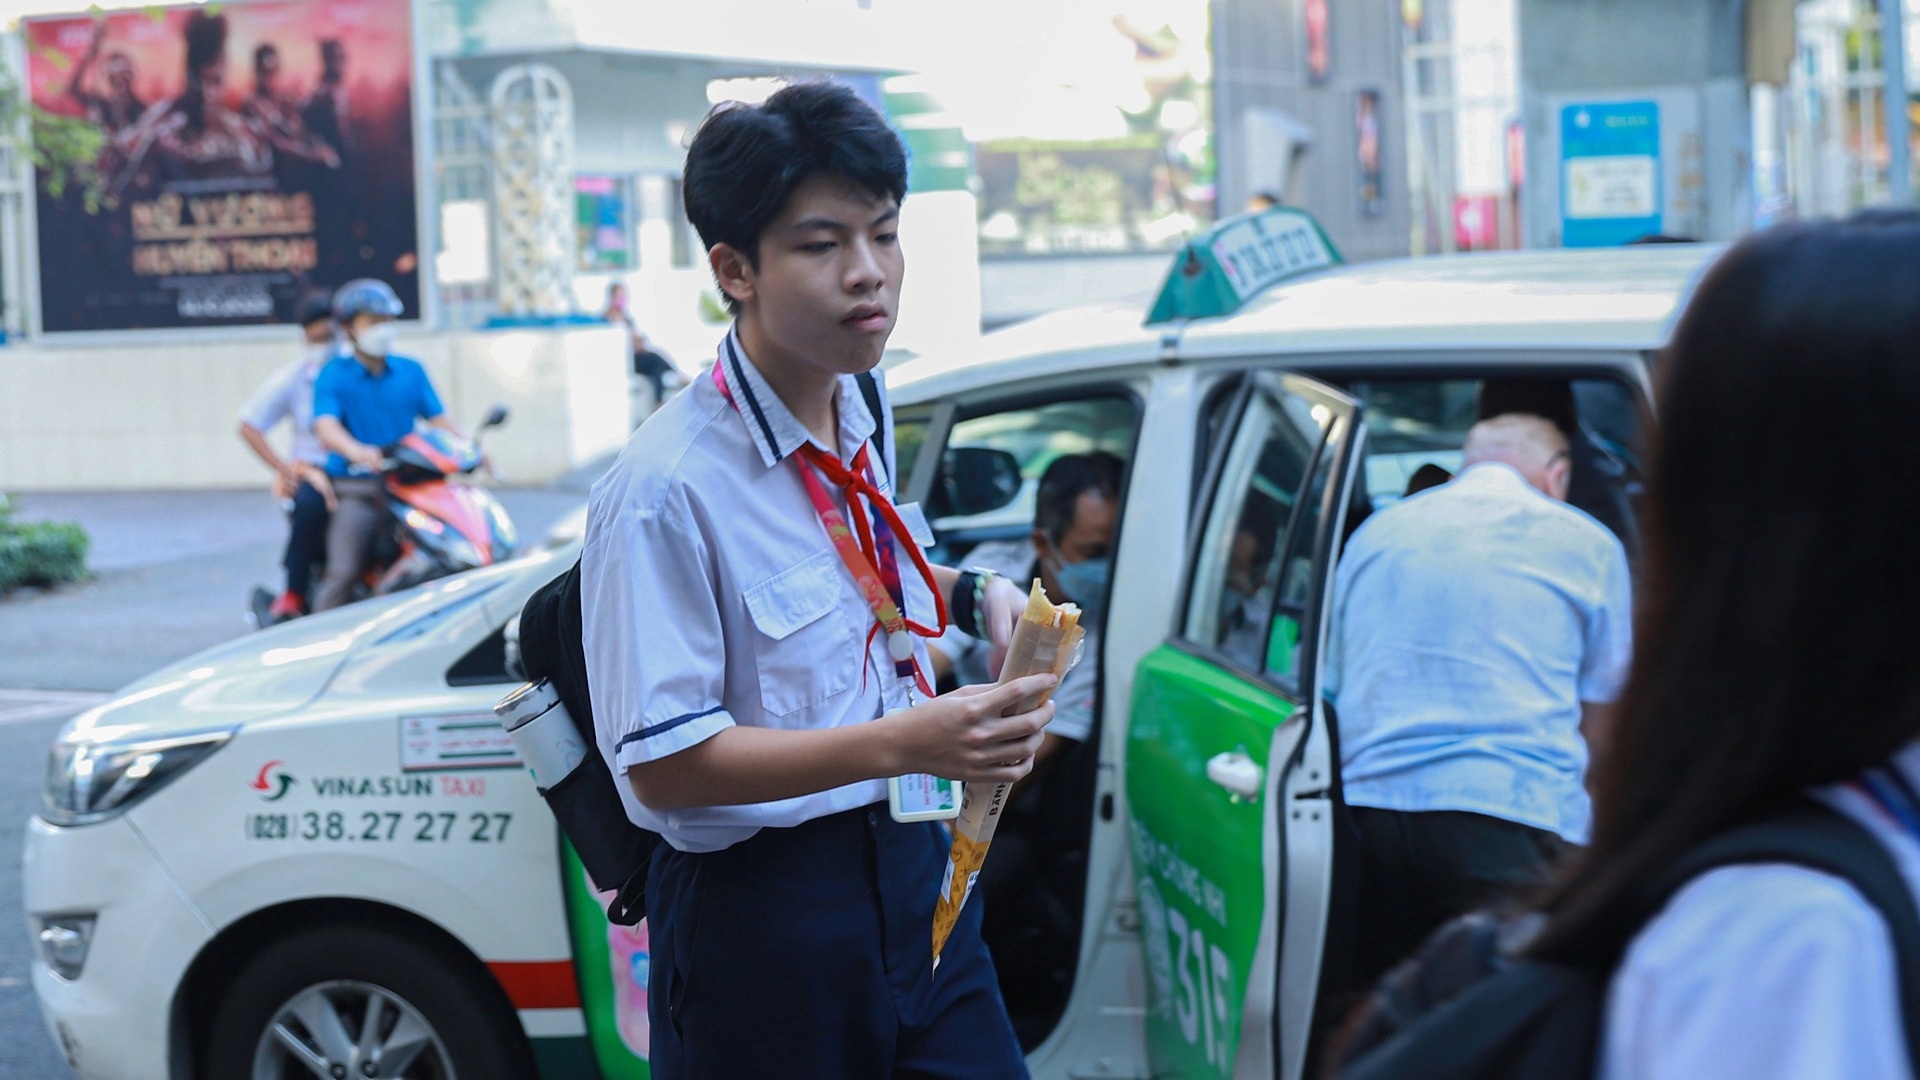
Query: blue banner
{"points": [[1610, 184]]}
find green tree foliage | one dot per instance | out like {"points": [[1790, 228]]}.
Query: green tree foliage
{"points": [[65, 150], [39, 552]]}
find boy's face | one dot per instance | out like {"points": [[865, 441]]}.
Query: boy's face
{"points": [[827, 287]]}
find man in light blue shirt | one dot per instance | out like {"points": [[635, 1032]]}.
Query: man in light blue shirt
{"points": [[1480, 629]]}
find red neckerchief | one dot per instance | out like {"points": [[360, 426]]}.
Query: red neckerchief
{"points": [[870, 559]]}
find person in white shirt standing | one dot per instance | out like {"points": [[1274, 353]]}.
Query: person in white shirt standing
{"points": [[299, 478], [755, 609], [1480, 629]]}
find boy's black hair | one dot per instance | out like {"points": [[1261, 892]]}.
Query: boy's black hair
{"points": [[746, 160]]}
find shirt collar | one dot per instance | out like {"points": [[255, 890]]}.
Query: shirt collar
{"points": [[775, 431], [1495, 472]]}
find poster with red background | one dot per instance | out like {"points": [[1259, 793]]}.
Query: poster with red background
{"points": [[253, 153]]}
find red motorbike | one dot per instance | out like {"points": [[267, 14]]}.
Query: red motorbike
{"points": [[440, 524]]}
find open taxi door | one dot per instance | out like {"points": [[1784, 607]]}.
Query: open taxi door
{"points": [[1230, 767]]}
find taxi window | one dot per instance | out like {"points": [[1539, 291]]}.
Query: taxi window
{"points": [[909, 435], [1293, 576], [1036, 436], [1412, 424], [1033, 437], [1254, 569]]}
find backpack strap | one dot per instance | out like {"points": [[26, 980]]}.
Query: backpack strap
{"points": [[1819, 838], [870, 390]]}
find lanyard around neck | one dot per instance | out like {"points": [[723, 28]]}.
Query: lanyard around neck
{"points": [[870, 559]]}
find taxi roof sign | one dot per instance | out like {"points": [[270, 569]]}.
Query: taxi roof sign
{"points": [[1220, 270]]}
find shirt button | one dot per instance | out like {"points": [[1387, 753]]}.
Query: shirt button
{"points": [[873, 819]]}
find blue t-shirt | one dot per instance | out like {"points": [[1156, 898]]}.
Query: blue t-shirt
{"points": [[377, 411]]}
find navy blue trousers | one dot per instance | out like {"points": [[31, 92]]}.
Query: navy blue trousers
{"points": [[306, 540], [807, 952]]}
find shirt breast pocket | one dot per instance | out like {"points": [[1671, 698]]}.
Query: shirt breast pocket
{"points": [[805, 649]]}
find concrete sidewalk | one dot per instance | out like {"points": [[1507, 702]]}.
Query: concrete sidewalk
{"points": [[172, 572]]}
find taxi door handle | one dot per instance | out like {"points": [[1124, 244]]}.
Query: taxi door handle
{"points": [[1238, 773]]}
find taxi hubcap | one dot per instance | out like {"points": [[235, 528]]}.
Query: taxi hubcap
{"points": [[350, 1030]]}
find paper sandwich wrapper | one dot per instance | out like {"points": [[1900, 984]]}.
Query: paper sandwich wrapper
{"points": [[1047, 638]]}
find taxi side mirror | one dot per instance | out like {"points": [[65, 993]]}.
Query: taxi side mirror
{"points": [[974, 480]]}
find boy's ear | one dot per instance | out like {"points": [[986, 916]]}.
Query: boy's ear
{"points": [[733, 271]]}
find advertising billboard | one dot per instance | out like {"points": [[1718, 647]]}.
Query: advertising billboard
{"points": [[1367, 133], [1610, 172], [1319, 48], [603, 220], [248, 153]]}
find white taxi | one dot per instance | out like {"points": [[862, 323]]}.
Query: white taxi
{"points": [[312, 853]]}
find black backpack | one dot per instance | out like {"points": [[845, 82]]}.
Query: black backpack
{"points": [[1466, 1008], [614, 851]]}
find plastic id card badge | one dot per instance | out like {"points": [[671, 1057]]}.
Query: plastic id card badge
{"points": [[921, 797]]}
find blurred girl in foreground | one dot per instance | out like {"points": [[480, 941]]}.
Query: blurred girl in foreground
{"points": [[1777, 652]]}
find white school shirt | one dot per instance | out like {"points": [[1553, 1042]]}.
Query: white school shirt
{"points": [[288, 395], [1470, 621], [712, 596], [1767, 972]]}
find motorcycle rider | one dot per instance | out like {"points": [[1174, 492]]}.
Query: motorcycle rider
{"points": [[362, 402], [299, 479]]}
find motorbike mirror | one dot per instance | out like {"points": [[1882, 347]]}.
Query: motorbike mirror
{"points": [[495, 417]]}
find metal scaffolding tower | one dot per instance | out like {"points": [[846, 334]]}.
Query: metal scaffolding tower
{"points": [[533, 198]]}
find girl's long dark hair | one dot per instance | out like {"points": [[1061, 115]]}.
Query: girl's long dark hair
{"points": [[1777, 632]]}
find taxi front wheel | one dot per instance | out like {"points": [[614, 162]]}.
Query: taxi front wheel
{"points": [[362, 1003]]}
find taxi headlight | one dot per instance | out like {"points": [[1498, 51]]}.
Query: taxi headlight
{"points": [[91, 781]]}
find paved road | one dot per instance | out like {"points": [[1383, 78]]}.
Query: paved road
{"points": [[172, 572], [171, 575]]}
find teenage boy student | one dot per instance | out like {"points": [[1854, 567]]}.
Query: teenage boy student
{"points": [[755, 608]]}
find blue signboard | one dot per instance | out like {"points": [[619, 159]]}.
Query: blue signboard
{"points": [[1610, 191]]}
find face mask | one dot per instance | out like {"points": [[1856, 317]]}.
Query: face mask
{"points": [[1086, 582], [320, 353], [377, 340]]}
